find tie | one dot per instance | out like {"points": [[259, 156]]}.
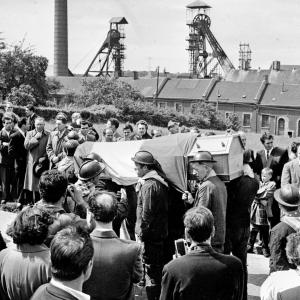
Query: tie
{"points": [[268, 154]]}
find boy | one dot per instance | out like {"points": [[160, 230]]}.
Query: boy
{"points": [[261, 211]]}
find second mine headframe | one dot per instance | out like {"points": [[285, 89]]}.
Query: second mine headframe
{"points": [[110, 57], [206, 56]]}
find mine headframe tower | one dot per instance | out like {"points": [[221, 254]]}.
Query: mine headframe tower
{"points": [[245, 57], [206, 55], [109, 59]]}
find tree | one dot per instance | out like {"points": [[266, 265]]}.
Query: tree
{"points": [[233, 122], [22, 95], [20, 66]]}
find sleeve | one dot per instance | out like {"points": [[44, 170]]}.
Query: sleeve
{"points": [[278, 260], [138, 266], [267, 290], [204, 196], [168, 287], [49, 148], [30, 142], [286, 175]]}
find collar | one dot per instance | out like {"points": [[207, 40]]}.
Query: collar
{"points": [[270, 151], [77, 294], [60, 134], [21, 131], [104, 234], [152, 174], [199, 248], [7, 132], [27, 248]]}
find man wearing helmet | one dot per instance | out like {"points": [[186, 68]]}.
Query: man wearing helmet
{"points": [[210, 192], [152, 216]]}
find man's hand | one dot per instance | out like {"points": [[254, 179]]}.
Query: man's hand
{"points": [[75, 194], [187, 197], [38, 135]]}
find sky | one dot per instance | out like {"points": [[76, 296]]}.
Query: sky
{"points": [[156, 33]]}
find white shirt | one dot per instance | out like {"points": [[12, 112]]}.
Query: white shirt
{"points": [[278, 282], [79, 295]]}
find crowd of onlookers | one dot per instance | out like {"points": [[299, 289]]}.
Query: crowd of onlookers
{"points": [[66, 235]]}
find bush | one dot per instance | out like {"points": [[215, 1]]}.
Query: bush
{"points": [[22, 95]]}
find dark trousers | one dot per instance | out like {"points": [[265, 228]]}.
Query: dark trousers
{"points": [[20, 176], [263, 231], [236, 243], [7, 177]]}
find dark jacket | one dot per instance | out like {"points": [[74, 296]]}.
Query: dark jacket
{"points": [[203, 275], [212, 194], [146, 136], [241, 193], [51, 292], [5, 158], [17, 150], [152, 211], [116, 266], [30, 122], [278, 157], [278, 260]]}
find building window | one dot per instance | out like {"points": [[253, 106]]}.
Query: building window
{"points": [[178, 107], [281, 126], [162, 104], [265, 121], [246, 120]]}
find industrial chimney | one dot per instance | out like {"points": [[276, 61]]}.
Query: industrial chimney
{"points": [[60, 67]]}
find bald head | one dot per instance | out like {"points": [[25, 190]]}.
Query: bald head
{"points": [[103, 205]]}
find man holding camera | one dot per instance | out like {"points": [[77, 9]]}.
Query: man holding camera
{"points": [[202, 273]]}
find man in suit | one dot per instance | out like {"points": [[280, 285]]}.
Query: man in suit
{"points": [[56, 140], [274, 158], [6, 160], [71, 265], [202, 273], [117, 263], [17, 150], [85, 134], [31, 116], [211, 192], [291, 170]]}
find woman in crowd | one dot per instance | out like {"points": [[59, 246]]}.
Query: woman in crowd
{"points": [[24, 265]]}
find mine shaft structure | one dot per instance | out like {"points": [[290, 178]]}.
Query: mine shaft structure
{"points": [[109, 60], [206, 56]]}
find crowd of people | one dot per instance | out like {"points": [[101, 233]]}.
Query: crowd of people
{"points": [[66, 236]]}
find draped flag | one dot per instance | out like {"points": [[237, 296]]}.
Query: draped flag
{"points": [[170, 151]]}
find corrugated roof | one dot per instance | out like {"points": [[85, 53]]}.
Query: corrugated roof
{"points": [[282, 95], [234, 92], [286, 76], [146, 86], [198, 4], [179, 88]]}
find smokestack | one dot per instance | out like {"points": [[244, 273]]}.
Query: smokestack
{"points": [[60, 67]]}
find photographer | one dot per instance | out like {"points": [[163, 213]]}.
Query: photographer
{"points": [[197, 274]]}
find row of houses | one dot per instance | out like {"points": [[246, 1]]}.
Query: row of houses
{"points": [[263, 99]]}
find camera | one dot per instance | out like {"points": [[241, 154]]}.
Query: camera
{"points": [[181, 247]]}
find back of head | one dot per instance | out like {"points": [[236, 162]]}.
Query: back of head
{"points": [[293, 248], [103, 205], [30, 226], [71, 251], [53, 185], [199, 223]]}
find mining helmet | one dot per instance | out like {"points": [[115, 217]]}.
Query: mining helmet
{"points": [[202, 156], [93, 156], [144, 158], [90, 169]]}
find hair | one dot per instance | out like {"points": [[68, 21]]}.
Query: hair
{"points": [[30, 226], [128, 126], [53, 185], [7, 117], [62, 117], [22, 121], [105, 129], [266, 136], [103, 205], [199, 223], [85, 115], [142, 122], [71, 251], [267, 170], [293, 248], [84, 122], [40, 118], [30, 107], [114, 122]]}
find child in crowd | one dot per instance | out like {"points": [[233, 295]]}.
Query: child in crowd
{"points": [[261, 211]]}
